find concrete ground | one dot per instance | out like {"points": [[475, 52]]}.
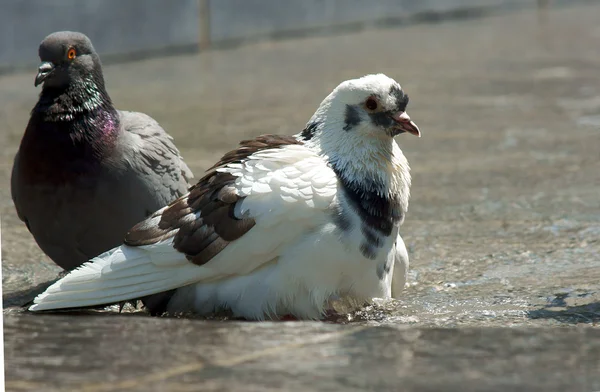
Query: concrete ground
{"points": [[503, 227]]}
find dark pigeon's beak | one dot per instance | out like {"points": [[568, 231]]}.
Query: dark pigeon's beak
{"points": [[405, 124], [46, 68]]}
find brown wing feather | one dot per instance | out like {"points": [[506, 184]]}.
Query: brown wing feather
{"points": [[203, 222]]}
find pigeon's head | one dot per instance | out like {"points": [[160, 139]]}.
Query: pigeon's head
{"points": [[371, 106], [67, 58]]}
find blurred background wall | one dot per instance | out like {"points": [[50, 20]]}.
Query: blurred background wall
{"points": [[125, 29]]}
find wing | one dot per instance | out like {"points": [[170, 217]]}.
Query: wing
{"points": [[154, 158], [241, 215], [267, 181]]}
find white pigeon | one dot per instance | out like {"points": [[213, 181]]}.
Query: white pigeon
{"points": [[279, 226]]}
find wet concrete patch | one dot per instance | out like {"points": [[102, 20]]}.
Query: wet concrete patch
{"points": [[181, 355]]}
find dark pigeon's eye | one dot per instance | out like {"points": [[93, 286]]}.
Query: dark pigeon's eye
{"points": [[71, 54], [371, 104]]}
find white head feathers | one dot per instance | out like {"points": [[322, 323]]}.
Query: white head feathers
{"points": [[355, 127]]}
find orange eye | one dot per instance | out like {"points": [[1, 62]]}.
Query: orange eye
{"points": [[71, 54]]}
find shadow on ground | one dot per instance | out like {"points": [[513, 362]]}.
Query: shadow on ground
{"points": [[21, 298], [559, 310]]}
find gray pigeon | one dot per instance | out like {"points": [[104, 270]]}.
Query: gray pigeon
{"points": [[85, 172]]}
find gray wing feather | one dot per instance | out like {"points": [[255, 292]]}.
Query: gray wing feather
{"points": [[153, 157]]}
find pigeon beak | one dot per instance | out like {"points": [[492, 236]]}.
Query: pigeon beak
{"points": [[46, 68], [405, 124]]}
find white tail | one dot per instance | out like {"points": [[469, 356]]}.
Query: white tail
{"points": [[121, 274]]}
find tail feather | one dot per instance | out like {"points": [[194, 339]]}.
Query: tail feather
{"points": [[112, 287], [139, 274], [121, 274], [83, 299]]}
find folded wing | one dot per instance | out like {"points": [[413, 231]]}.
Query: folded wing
{"points": [[242, 214]]}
